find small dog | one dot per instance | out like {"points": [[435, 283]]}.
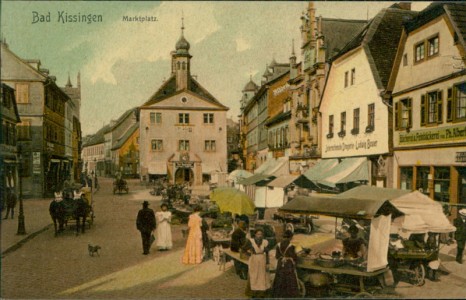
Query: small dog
{"points": [[93, 249]]}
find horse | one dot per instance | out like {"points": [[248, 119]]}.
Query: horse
{"points": [[57, 212]]}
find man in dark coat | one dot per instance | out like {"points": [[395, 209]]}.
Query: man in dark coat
{"points": [[145, 223], [238, 239], [10, 202], [460, 234]]}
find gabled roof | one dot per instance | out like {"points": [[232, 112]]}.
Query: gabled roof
{"points": [[380, 39], [456, 12], [98, 137], [15, 106], [121, 141], [168, 89], [120, 120], [338, 32]]}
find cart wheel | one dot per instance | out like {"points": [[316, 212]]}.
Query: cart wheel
{"points": [[418, 275], [363, 295], [309, 228], [289, 227], [301, 288]]}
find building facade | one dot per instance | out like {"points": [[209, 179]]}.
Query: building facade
{"points": [[41, 133], [125, 153], [183, 128], [428, 86], [355, 115], [9, 161]]}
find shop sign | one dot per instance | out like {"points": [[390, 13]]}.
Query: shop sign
{"points": [[444, 134], [460, 157], [358, 146], [184, 165], [280, 89], [36, 162], [50, 146]]}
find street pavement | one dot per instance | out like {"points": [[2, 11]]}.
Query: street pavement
{"points": [[39, 265]]}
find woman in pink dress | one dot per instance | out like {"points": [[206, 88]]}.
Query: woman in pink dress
{"points": [[193, 250]]}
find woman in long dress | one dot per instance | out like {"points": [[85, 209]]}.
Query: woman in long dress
{"points": [[164, 230], [285, 284], [193, 250], [258, 276]]}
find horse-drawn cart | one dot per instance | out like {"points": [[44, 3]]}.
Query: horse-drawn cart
{"points": [[120, 185]]}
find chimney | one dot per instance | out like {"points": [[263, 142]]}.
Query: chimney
{"points": [[405, 5]]}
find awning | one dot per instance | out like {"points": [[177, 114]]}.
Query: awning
{"points": [[283, 181], [9, 161], [321, 169], [373, 193], [272, 166], [340, 207], [255, 179], [349, 170], [239, 175], [157, 168]]}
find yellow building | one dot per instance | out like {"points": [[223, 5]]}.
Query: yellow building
{"points": [[126, 152]]}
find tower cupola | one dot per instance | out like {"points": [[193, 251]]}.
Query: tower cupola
{"points": [[181, 61]]}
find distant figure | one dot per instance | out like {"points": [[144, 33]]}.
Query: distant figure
{"points": [[285, 284], [10, 202], [258, 276], [354, 246], [164, 229], [145, 223], [460, 234], [193, 251]]}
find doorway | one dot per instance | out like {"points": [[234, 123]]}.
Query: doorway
{"points": [[184, 175]]}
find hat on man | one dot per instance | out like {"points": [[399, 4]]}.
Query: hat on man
{"points": [[463, 212], [145, 203]]}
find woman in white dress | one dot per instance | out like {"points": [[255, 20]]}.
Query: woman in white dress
{"points": [[164, 230]]}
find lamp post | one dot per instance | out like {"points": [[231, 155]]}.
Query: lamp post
{"points": [[21, 226]]}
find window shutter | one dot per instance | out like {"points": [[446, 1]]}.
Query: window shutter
{"points": [[439, 107], [423, 110], [410, 112], [397, 115], [449, 105]]}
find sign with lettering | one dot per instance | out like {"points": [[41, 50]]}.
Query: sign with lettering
{"points": [[36, 162], [184, 165], [280, 89], [444, 134], [358, 146], [461, 157]]}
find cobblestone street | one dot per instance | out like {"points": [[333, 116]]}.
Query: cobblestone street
{"points": [[49, 267]]}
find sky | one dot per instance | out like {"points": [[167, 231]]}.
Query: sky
{"points": [[123, 63]]}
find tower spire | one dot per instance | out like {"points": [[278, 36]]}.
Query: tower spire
{"points": [[68, 84], [182, 22]]}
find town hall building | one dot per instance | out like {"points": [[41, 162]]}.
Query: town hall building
{"points": [[183, 128]]}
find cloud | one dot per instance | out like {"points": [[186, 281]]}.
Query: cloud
{"points": [[242, 44], [148, 41]]}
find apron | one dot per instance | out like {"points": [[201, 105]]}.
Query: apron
{"points": [[258, 275]]}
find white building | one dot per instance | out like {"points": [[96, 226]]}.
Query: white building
{"points": [[355, 116], [183, 128]]}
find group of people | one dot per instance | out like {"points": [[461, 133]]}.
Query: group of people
{"points": [[147, 222]]}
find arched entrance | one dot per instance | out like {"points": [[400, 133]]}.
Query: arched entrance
{"points": [[184, 175]]}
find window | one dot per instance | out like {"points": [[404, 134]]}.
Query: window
{"points": [[431, 108], [419, 52], [183, 145], [183, 118], [342, 124], [406, 178], [208, 118], [22, 93], [157, 145], [209, 145], [370, 117], [432, 45], [24, 130], [459, 100], [353, 76], [442, 184], [330, 126], [158, 118], [346, 79], [355, 121], [422, 180], [403, 114], [405, 60], [152, 118]]}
